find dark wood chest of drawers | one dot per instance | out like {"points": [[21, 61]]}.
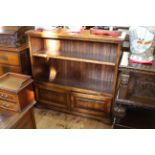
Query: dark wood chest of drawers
{"points": [[15, 60], [14, 51], [16, 91], [13, 36]]}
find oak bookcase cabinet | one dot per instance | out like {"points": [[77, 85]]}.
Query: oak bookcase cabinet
{"points": [[75, 72]]}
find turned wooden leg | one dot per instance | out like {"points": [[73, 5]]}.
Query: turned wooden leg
{"points": [[119, 112]]}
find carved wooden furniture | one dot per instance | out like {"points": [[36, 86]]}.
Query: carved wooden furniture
{"points": [[14, 52], [75, 72], [13, 36], [22, 120], [16, 91], [136, 90]]}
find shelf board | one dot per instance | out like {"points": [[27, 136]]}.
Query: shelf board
{"points": [[98, 86], [70, 58], [94, 85]]}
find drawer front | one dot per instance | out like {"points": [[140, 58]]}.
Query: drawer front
{"points": [[52, 96], [9, 105], [8, 97], [9, 58], [6, 68], [90, 104]]}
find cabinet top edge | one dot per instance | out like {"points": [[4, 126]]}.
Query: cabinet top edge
{"points": [[82, 36], [15, 49]]}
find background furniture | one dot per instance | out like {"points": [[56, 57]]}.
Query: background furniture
{"points": [[16, 91], [14, 52], [126, 43], [22, 120], [75, 72], [135, 99]]}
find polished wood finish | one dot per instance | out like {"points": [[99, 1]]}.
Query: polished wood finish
{"points": [[85, 35], [15, 60], [90, 104], [14, 52], [9, 68], [53, 96], [16, 91], [13, 36], [136, 89], [75, 72], [22, 120], [9, 58], [14, 49]]}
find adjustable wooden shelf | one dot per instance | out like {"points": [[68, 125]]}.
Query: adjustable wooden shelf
{"points": [[75, 72]]}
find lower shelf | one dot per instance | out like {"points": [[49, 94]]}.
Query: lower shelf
{"points": [[94, 85], [100, 86], [75, 74]]}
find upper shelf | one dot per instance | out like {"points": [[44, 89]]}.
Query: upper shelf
{"points": [[84, 35], [64, 56]]}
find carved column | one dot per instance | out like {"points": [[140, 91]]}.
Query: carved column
{"points": [[119, 112], [124, 79]]}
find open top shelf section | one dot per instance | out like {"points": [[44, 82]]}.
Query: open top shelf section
{"points": [[91, 52], [76, 74]]}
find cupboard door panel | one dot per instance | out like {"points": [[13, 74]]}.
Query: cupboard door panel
{"points": [[54, 97], [90, 104]]}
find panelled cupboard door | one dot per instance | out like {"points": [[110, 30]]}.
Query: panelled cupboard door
{"points": [[90, 104], [51, 96]]}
